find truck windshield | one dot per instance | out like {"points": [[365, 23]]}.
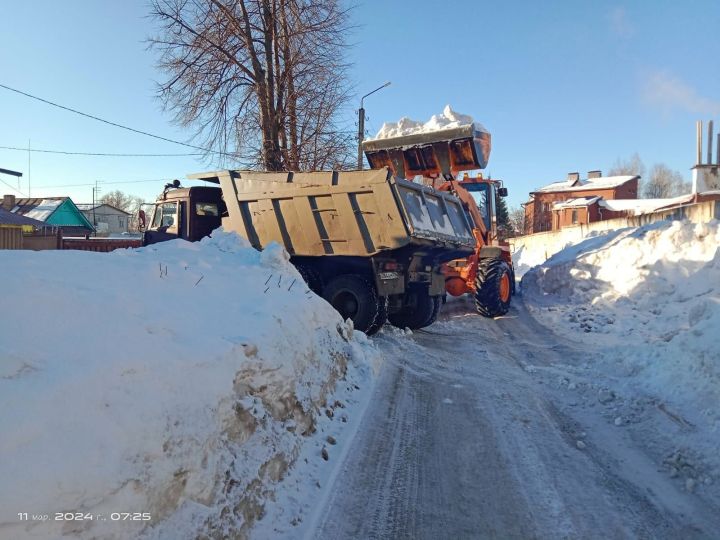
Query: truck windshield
{"points": [[165, 215]]}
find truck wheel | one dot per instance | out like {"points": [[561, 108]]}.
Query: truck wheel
{"points": [[493, 287], [422, 314], [312, 277], [355, 298]]}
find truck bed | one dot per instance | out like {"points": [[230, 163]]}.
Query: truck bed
{"points": [[351, 213]]}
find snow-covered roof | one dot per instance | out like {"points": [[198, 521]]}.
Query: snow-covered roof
{"points": [[86, 207], [448, 119], [603, 182], [575, 203], [643, 206], [43, 211]]}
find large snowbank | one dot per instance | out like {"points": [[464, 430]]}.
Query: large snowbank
{"points": [[180, 380], [448, 119], [650, 298]]}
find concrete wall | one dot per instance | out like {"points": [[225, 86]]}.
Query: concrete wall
{"points": [[544, 245]]}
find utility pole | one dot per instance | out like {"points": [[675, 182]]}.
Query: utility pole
{"points": [[361, 125], [95, 191]]}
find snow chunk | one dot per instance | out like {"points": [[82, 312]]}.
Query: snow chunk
{"points": [[448, 119]]}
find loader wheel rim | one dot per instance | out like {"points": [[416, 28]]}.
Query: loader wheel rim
{"points": [[505, 287]]}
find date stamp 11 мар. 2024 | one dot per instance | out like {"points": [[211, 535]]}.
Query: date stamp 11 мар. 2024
{"points": [[85, 516]]}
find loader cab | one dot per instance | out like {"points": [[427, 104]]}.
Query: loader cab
{"points": [[188, 213]]}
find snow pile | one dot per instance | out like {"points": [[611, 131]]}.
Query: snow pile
{"points": [[448, 119], [650, 296], [180, 380]]}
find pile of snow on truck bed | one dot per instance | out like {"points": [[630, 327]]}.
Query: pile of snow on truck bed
{"points": [[179, 380]]}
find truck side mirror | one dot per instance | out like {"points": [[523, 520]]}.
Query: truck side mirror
{"points": [[142, 220], [502, 191]]}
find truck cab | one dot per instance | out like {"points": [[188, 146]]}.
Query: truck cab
{"points": [[189, 213]]}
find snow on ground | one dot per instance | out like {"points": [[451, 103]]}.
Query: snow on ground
{"points": [[182, 380], [448, 119], [645, 303]]}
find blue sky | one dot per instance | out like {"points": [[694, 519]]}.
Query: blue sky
{"points": [[562, 86]]}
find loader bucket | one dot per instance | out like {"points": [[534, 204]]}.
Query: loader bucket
{"points": [[438, 153]]}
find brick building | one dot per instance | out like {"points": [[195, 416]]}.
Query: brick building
{"points": [[574, 201]]}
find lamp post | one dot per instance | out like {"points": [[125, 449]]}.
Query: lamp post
{"points": [[361, 125]]}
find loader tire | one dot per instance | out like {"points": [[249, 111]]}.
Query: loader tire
{"points": [[493, 287], [422, 314], [356, 298]]}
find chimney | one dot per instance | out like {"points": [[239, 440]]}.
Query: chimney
{"points": [[573, 177], [594, 174], [698, 126], [709, 142], [8, 202]]}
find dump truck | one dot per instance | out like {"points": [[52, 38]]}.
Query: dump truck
{"points": [[370, 243], [436, 159]]}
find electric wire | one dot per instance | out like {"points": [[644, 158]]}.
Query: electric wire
{"points": [[115, 124], [105, 154]]}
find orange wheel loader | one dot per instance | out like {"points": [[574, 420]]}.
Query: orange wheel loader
{"points": [[436, 159]]}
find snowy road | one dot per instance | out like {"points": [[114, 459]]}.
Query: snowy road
{"points": [[463, 440]]}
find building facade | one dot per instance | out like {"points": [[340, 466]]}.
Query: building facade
{"points": [[107, 218], [576, 201]]}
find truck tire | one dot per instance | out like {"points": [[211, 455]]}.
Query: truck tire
{"points": [[422, 314], [355, 298], [493, 287], [312, 277]]}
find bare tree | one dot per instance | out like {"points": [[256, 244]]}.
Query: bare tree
{"points": [[262, 80], [123, 201], [517, 221], [664, 182]]}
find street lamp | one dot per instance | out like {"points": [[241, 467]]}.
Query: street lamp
{"points": [[361, 125]]}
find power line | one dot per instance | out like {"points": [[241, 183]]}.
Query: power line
{"points": [[108, 182], [114, 123], [13, 188], [64, 152]]}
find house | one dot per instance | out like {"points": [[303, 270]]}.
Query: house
{"points": [[576, 201], [14, 227], [59, 212], [106, 218]]}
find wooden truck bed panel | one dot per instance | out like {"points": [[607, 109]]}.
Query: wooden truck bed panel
{"points": [[357, 213]]}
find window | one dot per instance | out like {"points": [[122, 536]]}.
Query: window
{"points": [[165, 215], [546, 207], [206, 209], [574, 216]]}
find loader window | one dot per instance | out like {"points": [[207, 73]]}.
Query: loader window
{"points": [[481, 193]]}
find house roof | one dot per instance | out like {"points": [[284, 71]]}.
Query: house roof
{"points": [[87, 207], [8, 218], [576, 203], [43, 208], [37, 208], [644, 206], [603, 182]]}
